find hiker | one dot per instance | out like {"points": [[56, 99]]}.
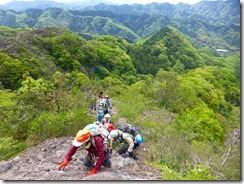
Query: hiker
{"points": [[130, 143], [100, 115], [100, 98], [101, 109], [108, 126], [93, 106], [106, 120], [95, 101], [102, 105], [100, 94], [108, 102], [105, 104], [96, 153]]}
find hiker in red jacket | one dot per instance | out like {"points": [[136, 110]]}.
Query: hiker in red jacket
{"points": [[95, 151]]}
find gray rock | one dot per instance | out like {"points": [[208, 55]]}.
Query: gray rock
{"points": [[5, 166], [41, 163]]}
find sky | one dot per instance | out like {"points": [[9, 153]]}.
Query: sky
{"points": [[120, 1]]}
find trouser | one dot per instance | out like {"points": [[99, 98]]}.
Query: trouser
{"points": [[88, 162], [93, 106], [125, 147]]}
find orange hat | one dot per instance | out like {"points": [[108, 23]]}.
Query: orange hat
{"points": [[81, 137]]}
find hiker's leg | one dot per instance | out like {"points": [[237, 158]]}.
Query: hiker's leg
{"points": [[123, 148], [107, 163], [136, 145], [87, 162]]}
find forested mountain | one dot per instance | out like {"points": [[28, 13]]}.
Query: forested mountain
{"points": [[162, 73], [214, 24], [166, 49], [217, 12], [186, 103], [211, 11]]}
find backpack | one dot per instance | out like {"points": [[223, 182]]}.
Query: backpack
{"points": [[93, 129], [128, 128], [100, 113], [107, 103], [100, 106], [100, 117], [103, 104], [98, 130]]}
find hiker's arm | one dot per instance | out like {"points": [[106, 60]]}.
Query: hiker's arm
{"points": [[70, 153], [110, 144], [110, 104], [100, 152], [68, 157]]}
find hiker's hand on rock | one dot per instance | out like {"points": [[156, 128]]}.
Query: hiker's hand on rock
{"points": [[63, 164]]}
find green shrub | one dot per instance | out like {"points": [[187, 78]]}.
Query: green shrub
{"points": [[199, 172], [10, 147]]}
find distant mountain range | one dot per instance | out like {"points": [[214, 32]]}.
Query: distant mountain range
{"points": [[210, 11], [208, 23], [24, 5]]}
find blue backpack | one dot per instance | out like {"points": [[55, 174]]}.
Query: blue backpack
{"points": [[100, 115]]}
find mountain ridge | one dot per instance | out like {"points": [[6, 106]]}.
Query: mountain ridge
{"points": [[205, 29], [209, 9]]}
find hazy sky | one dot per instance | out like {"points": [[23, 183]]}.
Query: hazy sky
{"points": [[120, 1]]}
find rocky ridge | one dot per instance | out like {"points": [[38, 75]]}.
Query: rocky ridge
{"points": [[41, 163]]}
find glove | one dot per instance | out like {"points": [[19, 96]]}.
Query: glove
{"points": [[93, 171], [125, 155], [63, 164]]}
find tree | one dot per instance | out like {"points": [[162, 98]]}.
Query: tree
{"points": [[10, 72], [165, 87], [200, 124]]}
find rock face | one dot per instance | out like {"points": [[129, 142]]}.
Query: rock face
{"points": [[41, 163]]}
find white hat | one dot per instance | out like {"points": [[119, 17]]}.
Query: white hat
{"points": [[107, 116], [113, 134]]}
